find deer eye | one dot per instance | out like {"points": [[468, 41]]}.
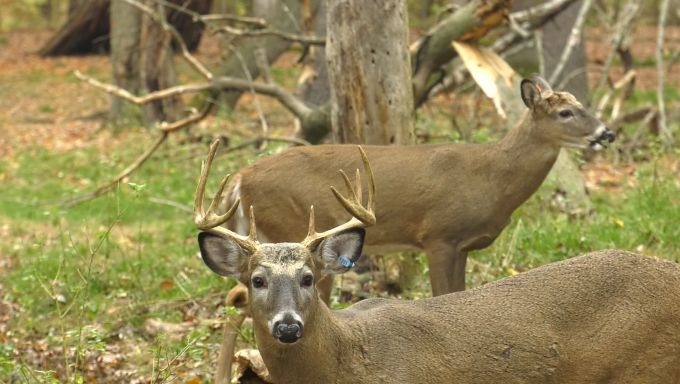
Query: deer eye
{"points": [[565, 113], [258, 282], [308, 280]]}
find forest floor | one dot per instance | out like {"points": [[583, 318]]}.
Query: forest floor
{"points": [[112, 290]]}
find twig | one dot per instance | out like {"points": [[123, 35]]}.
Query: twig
{"points": [[111, 184], [191, 59], [666, 135], [292, 37], [622, 28], [574, 39], [257, 21], [249, 77], [548, 8], [538, 38], [174, 204], [263, 30], [165, 130], [291, 102], [626, 79], [148, 98], [195, 117]]}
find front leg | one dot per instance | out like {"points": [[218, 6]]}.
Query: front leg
{"points": [[447, 268]]}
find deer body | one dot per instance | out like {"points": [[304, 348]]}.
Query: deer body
{"points": [[609, 316], [446, 199]]}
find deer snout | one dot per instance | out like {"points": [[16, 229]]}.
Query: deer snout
{"points": [[288, 329], [602, 137]]}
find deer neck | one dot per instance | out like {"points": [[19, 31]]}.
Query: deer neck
{"points": [[525, 158], [324, 346]]}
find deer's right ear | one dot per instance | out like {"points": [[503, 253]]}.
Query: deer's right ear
{"points": [[339, 252], [531, 93], [223, 256]]}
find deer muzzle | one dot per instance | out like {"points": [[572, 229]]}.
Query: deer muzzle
{"points": [[602, 137], [287, 330]]}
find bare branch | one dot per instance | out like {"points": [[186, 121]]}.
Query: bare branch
{"points": [[141, 100], [292, 37], [622, 28], [666, 135], [257, 21], [291, 102], [191, 59], [166, 129], [263, 30], [574, 39], [540, 12], [193, 118], [111, 184]]}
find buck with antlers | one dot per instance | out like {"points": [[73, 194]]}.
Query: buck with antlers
{"points": [[446, 199], [608, 316]]}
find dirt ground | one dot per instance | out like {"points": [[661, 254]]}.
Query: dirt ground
{"points": [[68, 116]]}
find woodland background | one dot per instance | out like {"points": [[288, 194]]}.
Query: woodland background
{"points": [[99, 275]]}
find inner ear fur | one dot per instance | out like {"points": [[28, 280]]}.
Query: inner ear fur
{"points": [[347, 244], [531, 93], [223, 256]]}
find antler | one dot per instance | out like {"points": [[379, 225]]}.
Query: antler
{"points": [[210, 221], [361, 216]]}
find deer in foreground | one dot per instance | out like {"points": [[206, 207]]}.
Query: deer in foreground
{"points": [[609, 316], [445, 199]]}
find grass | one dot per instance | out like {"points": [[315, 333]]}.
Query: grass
{"points": [[85, 275]]}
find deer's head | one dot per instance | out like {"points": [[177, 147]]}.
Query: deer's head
{"points": [[561, 118], [281, 277]]}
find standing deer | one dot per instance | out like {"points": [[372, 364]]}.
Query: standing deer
{"points": [[446, 199], [609, 316]]}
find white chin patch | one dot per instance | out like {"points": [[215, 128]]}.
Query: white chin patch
{"points": [[597, 146]]}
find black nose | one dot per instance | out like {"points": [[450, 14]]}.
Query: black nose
{"points": [[608, 135], [287, 331]]}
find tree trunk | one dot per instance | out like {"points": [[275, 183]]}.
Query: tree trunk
{"points": [[369, 71], [126, 22], [282, 15], [314, 88], [88, 27], [157, 69]]}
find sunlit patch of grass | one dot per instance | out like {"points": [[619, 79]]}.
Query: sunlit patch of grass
{"points": [[113, 262], [642, 219]]}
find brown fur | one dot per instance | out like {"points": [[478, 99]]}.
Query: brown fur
{"points": [[446, 199], [605, 317]]}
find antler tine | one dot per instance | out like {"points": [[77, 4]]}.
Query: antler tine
{"points": [[311, 230], [209, 220], [361, 216]]}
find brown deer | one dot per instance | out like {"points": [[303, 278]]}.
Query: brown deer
{"points": [[609, 316], [446, 199]]}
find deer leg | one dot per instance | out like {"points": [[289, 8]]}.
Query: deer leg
{"points": [[447, 268], [325, 286]]}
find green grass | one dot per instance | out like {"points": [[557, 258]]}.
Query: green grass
{"points": [[642, 219], [88, 278], [109, 263]]}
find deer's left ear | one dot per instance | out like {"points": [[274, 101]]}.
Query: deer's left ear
{"points": [[339, 252], [531, 93]]}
